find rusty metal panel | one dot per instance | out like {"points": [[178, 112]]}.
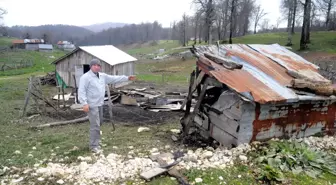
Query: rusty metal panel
{"points": [[289, 60], [241, 81], [264, 77], [294, 120]]}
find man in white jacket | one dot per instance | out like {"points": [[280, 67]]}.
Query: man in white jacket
{"points": [[91, 93]]}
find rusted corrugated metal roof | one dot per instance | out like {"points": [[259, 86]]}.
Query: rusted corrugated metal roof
{"points": [[264, 77], [17, 41]]}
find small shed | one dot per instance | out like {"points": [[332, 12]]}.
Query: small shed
{"points": [[45, 47], [76, 63], [257, 92]]}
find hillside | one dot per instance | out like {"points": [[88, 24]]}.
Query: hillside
{"points": [[103, 26], [54, 33], [320, 42]]}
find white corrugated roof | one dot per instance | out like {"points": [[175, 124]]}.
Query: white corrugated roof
{"points": [[108, 54]]}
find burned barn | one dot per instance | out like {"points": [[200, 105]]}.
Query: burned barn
{"points": [[257, 92]]}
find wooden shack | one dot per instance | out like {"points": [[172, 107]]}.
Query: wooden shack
{"points": [[73, 65], [246, 93]]}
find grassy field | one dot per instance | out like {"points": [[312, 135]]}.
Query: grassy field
{"points": [[151, 47], [5, 41], [175, 71], [40, 60], [322, 41]]}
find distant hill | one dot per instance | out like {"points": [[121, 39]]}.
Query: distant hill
{"points": [[52, 33], [103, 26]]}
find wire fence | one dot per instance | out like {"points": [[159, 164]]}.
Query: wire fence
{"points": [[14, 59]]}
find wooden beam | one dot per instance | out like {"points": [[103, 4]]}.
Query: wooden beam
{"points": [[226, 62], [30, 84], [318, 88], [59, 123], [197, 106]]}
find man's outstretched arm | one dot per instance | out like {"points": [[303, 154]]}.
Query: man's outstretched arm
{"points": [[114, 79]]}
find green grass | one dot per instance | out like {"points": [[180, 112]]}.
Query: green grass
{"points": [[152, 47], [41, 61], [238, 175], [6, 41], [320, 41], [176, 71]]}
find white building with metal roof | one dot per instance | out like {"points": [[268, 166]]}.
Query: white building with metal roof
{"points": [[73, 65]]}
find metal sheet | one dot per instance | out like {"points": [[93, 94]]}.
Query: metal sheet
{"points": [[109, 54], [264, 77], [241, 81], [294, 120]]}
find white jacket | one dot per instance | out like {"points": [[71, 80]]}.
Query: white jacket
{"points": [[92, 89]]}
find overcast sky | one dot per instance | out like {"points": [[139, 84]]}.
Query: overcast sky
{"points": [[80, 12]]}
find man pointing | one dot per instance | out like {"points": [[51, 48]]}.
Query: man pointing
{"points": [[91, 93]]}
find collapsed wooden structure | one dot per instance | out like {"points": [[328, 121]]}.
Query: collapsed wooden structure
{"points": [[257, 92]]}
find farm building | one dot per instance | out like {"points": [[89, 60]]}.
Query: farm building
{"points": [[45, 47], [76, 63], [257, 92], [28, 44], [65, 45]]}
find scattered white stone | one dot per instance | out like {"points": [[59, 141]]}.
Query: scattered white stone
{"points": [[130, 147], [175, 131], [34, 148], [60, 181], [172, 178], [167, 147], [30, 155], [17, 152], [207, 154], [239, 176], [154, 150], [198, 180], [40, 179], [114, 147], [243, 158], [17, 180], [221, 178], [57, 147], [143, 129], [53, 154]]}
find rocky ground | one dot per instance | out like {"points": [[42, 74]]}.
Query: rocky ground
{"points": [[112, 167]]}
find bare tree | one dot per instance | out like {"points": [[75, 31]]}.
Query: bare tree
{"points": [[183, 27], [306, 19], [326, 6], [295, 5], [207, 7], [232, 14], [3, 30], [278, 22], [265, 24], [259, 14]]}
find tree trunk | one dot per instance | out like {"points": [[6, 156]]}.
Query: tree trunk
{"points": [[328, 14], [196, 25], [303, 41], [308, 23], [289, 19], [294, 16], [231, 20], [200, 34]]}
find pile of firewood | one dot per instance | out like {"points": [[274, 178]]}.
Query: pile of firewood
{"points": [[49, 79]]}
